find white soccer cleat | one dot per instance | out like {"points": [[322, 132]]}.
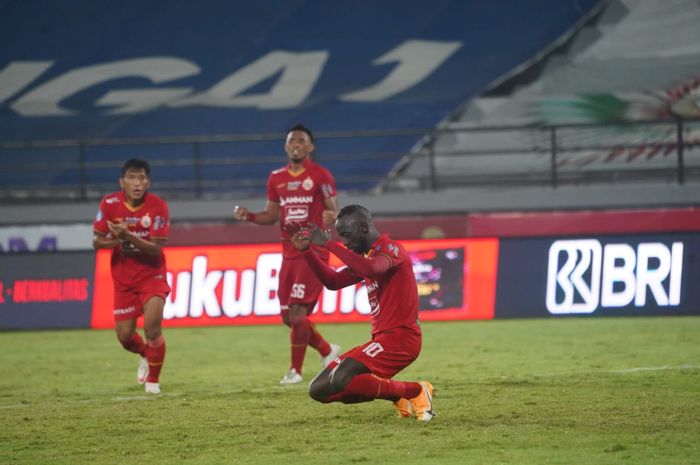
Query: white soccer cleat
{"points": [[335, 351], [142, 372], [292, 377], [152, 388]]}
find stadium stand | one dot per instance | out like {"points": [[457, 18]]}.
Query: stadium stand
{"points": [[208, 106], [634, 61], [470, 105]]}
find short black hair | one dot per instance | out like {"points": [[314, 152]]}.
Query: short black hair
{"points": [[301, 127], [137, 164], [352, 209]]}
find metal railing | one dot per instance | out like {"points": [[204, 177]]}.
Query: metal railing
{"points": [[30, 173]]}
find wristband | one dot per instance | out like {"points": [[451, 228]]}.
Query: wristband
{"points": [[250, 216]]}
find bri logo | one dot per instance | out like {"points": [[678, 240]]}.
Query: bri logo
{"points": [[583, 275]]}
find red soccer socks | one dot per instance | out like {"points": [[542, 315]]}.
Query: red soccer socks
{"points": [[299, 337], [366, 387], [317, 342], [155, 353]]}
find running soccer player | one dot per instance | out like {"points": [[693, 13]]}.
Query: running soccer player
{"points": [[134, 224], [365, 372], [301, 192]]}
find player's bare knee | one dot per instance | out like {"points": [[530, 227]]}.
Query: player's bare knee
{"points": [[152, 333], [124, 334], [318, 390], [340, 380]]}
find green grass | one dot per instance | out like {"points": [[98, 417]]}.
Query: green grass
{"points": [[574, 391]]}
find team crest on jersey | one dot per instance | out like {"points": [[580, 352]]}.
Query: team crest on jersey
{"points": [[146, 221], [308, 184]]}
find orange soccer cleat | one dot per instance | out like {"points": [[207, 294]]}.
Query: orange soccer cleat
{"points": [[423, 403], [404, 407]]}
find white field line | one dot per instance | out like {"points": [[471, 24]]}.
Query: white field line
{"points": [[621, 371], [144, 397]]}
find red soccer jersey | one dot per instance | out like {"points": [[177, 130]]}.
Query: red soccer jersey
{"points": [[149, 220], [300, 197], [393, 298]]}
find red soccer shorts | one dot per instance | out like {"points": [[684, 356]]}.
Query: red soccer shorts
{"points": [[297, 285], [387, 353], [129, 301]]}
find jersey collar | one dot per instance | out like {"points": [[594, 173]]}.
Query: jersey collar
{"points": [[122, 197], [306, 163]]}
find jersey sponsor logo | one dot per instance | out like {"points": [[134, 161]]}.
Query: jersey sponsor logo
{"points": [[374, 306], [327, 190], [146, 221], [131, 220], [124, 311], [296, 213], [308, 184], [111, 200], [158, 222], [393, 249], [296, 199], [583, 275], [293, 185], [372, 286]]}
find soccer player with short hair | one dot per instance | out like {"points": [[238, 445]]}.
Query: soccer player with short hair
{"points": [[134, 223], [365, 372], [300, 192]]}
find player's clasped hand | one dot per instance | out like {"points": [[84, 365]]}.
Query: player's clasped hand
{"points": [[302, 236], [118, 230], [317, 235]]}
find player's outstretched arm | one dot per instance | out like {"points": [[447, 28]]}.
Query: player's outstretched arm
{"points": [[371, 267], [329, 277], [330, 211], [269, 216]]}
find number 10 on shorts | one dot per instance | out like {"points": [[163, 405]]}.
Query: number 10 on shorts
{"points": [[373, 349], [298, 291]]}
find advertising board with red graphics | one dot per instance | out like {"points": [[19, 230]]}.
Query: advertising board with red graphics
{"points": [[237, 284], [44, 290]]}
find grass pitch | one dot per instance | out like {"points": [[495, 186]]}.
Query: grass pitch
{"points": [[574, 391]]}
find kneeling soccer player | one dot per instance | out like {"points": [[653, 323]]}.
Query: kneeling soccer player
{"points": [[364, 373]]}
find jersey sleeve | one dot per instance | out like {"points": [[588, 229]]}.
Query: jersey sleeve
{"points": [[161, 221], [99, 225], [392, 251], [327, 183], [272, 195]]}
